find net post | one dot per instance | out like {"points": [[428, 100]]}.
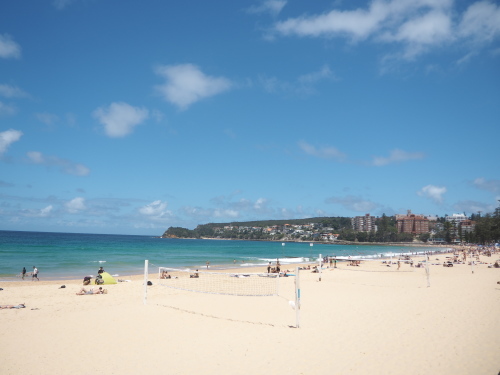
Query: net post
{"points": [[320, 265], [297, 297], [427, 271], [145, 281]]}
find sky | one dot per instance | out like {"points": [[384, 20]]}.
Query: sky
{"points": [[128, 117]]}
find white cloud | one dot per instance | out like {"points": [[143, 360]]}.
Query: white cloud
{"points": [[76, 205], [273, 7], [9, 48], [432, 192], [9, 91], [415, 25], [119, 119], [156, 208], [64, 165], [481, 22], [419, 33], [7, 138], [7, 109], [186, 84], [396, 156], [323, 153]]}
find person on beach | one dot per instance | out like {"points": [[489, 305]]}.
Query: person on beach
{"points": [[34, 275], [84, 291], [23, 272], [86, 280], [195, 276], [20, 306], [101, 270], [208, 264], [269, 268], [165, 275]]}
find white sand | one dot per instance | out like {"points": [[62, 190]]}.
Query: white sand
{"points": [[357, 320]]}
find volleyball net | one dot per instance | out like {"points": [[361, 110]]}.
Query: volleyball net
{"points": [[236, 284], [228, 289]]}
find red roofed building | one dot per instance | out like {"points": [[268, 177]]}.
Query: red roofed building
{"points": [[411, 223]]}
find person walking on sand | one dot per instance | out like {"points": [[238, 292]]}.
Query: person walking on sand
{"points": [[23, 272], [34, 275]]}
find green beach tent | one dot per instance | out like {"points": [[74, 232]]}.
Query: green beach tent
{"points": [[108, 279]]}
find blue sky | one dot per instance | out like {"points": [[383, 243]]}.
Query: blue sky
{"points": [[120, 116]]}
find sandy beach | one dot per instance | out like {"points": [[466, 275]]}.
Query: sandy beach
{"points": [[368, 319]]}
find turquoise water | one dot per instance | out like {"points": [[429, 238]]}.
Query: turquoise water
{"points": [[70, 255]]}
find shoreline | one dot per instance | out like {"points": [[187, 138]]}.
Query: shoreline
{"points": [[371, 318], [240, 267]]}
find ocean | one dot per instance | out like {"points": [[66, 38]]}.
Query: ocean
{"points": [[74, 256]]}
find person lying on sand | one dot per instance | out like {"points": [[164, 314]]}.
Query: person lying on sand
{"points": [[83, 291], [20, 306]]}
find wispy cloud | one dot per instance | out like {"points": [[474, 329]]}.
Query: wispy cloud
{"points": [[7, 109], [65, 166], [9, 48], [47, 118], [323, 152], [7, 138], [44, 212], [470, 206], [186, 84], [303, 85], [493, 186], [9, 91], [120, 119], [480, 22], [416, 26], [353, 203], [396, 156], [435, 193], [272, 7], [61, 4]]}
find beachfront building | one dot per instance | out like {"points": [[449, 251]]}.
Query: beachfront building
{"points": [[467, 226], [456, 218], [364, 223], [411, 223]]}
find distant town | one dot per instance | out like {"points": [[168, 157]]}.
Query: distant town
{"points": [[456, 228]]}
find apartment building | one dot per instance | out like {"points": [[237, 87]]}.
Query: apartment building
{"points": [[364, 223], [411, 223]]}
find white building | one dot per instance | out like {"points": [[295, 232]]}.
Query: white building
{"points": [[456, 218]]}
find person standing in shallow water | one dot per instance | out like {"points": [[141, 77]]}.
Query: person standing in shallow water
{"points": [[24, 272], [35, 274]]}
